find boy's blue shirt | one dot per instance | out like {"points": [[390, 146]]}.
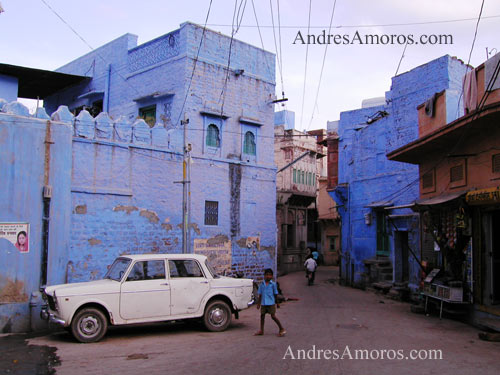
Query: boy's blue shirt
{"points": [[267, 293]]}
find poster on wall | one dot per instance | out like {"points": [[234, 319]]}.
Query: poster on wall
{"points": [[17, 234], [217, 252]]}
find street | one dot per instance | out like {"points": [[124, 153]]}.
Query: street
{"points": [[327, 317]]}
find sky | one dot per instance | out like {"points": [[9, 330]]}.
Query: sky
{"points": [[32, 35]]}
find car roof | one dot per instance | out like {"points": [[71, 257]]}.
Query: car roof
{"points": [[163, 256]]}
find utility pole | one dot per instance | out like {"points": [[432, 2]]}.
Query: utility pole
{"points": [[185, 182]]}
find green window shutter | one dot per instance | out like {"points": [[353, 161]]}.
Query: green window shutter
{"points": [[249, 146], [294, 176], [213, 139]]}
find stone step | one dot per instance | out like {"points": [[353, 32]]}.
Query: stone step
{"points": [[383, 286]]}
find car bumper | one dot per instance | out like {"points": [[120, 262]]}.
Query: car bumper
{"points": [[46, 315]]}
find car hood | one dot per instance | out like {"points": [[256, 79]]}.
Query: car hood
{"points": [[89, 287]]}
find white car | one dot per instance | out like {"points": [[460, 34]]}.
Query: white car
{"points": [[148, 288]]}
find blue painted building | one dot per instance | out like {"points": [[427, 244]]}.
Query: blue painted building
{"points": [[122, 156], [374, 194]]}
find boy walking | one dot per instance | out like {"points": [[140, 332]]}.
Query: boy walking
{"points": [[266, 302]]}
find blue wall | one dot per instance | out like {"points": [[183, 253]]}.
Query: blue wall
{"points": [[365, 174], [22, 159], [131, 191]]}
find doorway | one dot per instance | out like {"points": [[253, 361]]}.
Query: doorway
{"points": [[491, 223], [401, 269]]}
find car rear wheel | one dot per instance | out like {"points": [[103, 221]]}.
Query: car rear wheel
{"points": [[217, 316], [89, 325]]}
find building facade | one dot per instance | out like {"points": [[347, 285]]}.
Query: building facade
{"points": [[296, 156], [122, 185], [459, 170], [380, 233]]}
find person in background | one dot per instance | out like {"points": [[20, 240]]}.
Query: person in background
{"points": [[310, 265]]}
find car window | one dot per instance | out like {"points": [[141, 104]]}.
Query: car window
{"points": [[117, 269], [184, 268], [147, 270]]}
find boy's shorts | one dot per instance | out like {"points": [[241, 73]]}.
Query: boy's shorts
{"points": [[269, 309]]}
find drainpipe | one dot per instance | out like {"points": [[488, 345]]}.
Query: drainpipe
{"points": [[36, 298], [105, 104]]}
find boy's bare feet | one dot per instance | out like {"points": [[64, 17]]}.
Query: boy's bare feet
{"points": [[282, 332], [258, 333]]}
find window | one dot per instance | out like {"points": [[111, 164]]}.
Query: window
{"points": [[184, 268], [382, 235], [496, 163], [148, 114], [213, 139], [294, 175], [147, 270], [211, 213], [249, 146], [302, 177], [428, 180], [456, 173], [331, 243]]}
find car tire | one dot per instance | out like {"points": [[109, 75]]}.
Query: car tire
{"points": [[89, 325], [217, 316]]}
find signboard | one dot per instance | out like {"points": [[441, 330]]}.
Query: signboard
{"points": [[17, 234], [483, 196], [217, 252]]}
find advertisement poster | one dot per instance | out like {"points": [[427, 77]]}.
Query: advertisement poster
{"points": [[17, 234], [218, 253]]}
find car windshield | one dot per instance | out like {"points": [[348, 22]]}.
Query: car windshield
{"points": [[211, 269], [117, 269]]}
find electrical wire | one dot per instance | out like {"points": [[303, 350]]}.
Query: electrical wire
{"points": [[322, 66], [364, 25], [261, 40], [194, 63], [305, 68]]}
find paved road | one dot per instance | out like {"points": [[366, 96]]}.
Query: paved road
{"points": [[326, 317]]}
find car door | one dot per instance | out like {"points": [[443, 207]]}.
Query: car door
{"points": [[145, 293], [188, 286]]}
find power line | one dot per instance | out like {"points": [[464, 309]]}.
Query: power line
{"points": [[278, 55], [305, 68], [194, 63], [260, 35], [281, 52], [363, 25], [401, 59], [322, 65], [86, 43]]}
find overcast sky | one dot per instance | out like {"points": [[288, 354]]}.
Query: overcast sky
{"points": [[32, 35]]}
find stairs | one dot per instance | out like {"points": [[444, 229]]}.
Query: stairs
{"points": [[379, 275]]}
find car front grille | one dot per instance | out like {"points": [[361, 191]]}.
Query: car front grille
{"points": [[52, 303]]}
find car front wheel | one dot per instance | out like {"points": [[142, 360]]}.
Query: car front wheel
{"points": [[89, 325], [217, 316]]}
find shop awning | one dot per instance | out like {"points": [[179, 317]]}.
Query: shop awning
{"points": [[440, 199]]}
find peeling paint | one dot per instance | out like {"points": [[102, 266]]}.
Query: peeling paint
{"points": [[81, 209], [150, 215], [195, 227], [13, 291], [167, 227], [94, 241], [217, 240], [127, 209], [270, 249]]}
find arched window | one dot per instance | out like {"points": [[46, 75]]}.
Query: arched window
{"points": [[213, 139], [249, 146]]}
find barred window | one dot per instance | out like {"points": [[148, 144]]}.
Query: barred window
{"points": [[496, 163], [213, 139], [294, 175], [457, 173], [249, 146], [211, 213], [428, 180]]}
